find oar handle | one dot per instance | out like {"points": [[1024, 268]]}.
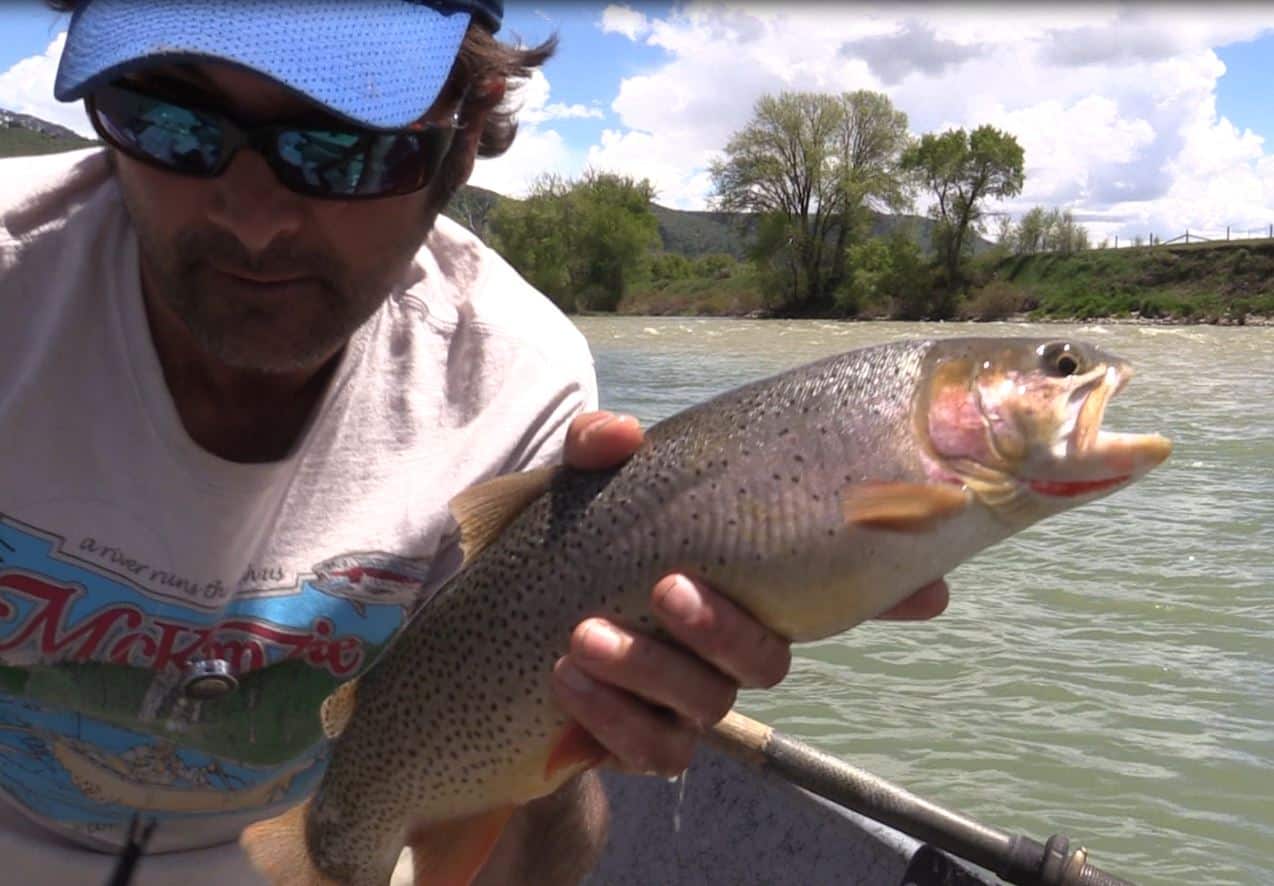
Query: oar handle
{"points": [[1017, 859]]}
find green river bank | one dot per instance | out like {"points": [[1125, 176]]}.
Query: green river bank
{"points": [[1226, 282]]}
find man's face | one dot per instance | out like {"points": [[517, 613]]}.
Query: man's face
{"points": [[262, 278]]}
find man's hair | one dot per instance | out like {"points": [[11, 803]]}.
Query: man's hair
{"points": [[482, 59]]}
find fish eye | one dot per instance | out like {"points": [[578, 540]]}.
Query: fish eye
{"points": [[1059, 359]]}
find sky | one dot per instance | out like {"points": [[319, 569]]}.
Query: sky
{"points": [[1137, 117]]}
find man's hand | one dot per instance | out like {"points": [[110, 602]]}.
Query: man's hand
{"points": [[647, 701]]}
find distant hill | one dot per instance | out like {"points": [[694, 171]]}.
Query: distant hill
{"points": [[688, 232], [22, 135], [692, 232]]}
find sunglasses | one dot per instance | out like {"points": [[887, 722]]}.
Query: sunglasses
{"points": [[327, 162]]}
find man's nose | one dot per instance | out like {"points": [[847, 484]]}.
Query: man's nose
{"points": [[251, 204]]}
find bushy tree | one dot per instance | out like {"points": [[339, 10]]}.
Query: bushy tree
{"points": [[580, 242], [715, 265], [1049, 230], [666, 266], [613, 230], [533, 236], [811, 164], [962, 170], [890, 276]]}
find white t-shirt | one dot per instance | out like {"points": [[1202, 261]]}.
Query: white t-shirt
{"points": [[127, 552]]}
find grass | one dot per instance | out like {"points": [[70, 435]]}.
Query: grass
{"points": [[734, 296], [1199, 283], [18, 142], [1205, 282]]}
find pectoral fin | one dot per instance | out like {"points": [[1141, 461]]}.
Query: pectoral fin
{"points": [[484, 510], [451, 853], [276, 848], [902, 507]]}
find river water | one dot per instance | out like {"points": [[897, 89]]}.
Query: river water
{"points": [[1107, 674]]}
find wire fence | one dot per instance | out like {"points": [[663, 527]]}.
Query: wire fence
{"points": [[1229, 234]]}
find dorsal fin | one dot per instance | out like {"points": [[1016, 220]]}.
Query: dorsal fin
{"points": [[484, 510], [337, 708]]}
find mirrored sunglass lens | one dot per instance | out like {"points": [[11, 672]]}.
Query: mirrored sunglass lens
{"points": [[177, 137], [341, 163]]}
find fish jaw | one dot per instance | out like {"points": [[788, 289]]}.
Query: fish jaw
{"points": [[1084, 461], [1020, 424]]}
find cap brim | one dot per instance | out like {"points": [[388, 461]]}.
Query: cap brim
{"points": [[378, 63]]}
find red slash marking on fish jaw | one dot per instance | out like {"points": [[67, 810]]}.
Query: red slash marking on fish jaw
{"points": [[1072, 488]]}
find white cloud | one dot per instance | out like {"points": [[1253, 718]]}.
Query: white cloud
{"points": [[1115, 106], [534, 153], [27, 87], [643, 156], [535, 107], [536, 150], [624, 20]]}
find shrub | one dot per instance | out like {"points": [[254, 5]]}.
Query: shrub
{"points": [[666, 266], [997, 300], [715, 266]]}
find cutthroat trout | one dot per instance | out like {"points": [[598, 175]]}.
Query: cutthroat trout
{"points": [[815, 499]]}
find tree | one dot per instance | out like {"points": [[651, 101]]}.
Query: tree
{"points": [[811, 164], [890, 277], [962, 170], [1049, 230], [870, 143], [665, 266], [613, 230], [579, 242], [472, 208], [1032, 231], [533, 237]]}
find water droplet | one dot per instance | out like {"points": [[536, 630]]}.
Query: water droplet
{"points": [[680, 781]]}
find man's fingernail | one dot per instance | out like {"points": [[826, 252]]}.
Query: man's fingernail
{"points": [[610, 420], [600, 640], [681, 599], [602, 421], [573, 678]]}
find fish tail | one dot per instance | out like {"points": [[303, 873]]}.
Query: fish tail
{"points": [[277, 849]]}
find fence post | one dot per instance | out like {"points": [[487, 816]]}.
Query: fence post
{"points": [[1116, 241], [1187, 236], [1227, 232]]}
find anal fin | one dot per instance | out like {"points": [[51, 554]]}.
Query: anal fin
{"points": [[902, 507], [337, 708], [452, 853], [575, 745]]}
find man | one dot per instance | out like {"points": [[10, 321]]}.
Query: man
{"points": [[244, 365]]}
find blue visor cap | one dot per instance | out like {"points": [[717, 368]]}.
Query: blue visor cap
{"points": [[378, 63]]}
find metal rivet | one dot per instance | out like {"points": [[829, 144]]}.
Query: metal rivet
{"points": [[208, 679]]}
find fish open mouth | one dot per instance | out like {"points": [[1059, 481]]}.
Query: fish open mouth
{"points": [[1089, 459]]}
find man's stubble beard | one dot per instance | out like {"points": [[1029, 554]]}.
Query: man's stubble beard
{"points": [[268, 336]]}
